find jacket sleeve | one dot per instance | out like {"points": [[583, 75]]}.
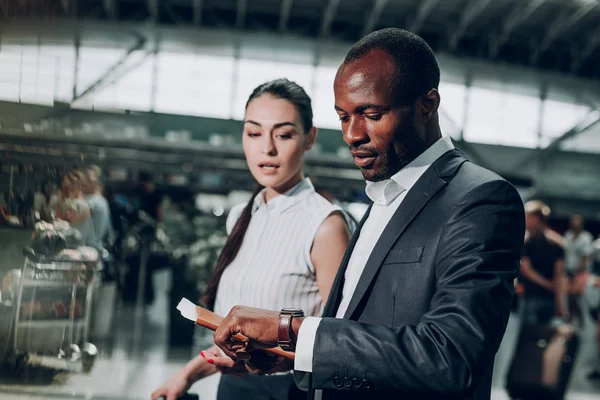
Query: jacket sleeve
{"points": [[455, 342]]}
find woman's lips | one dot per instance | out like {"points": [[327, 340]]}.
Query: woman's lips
{"points": [[268, 168]]}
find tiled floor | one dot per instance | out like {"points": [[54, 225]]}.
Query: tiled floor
{"points": [[139, 360]]}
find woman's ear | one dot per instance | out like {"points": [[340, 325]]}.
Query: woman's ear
{"points": [[311, 138]]}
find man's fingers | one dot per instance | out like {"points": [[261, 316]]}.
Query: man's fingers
{"points": [[242, 355], [222, 338]]}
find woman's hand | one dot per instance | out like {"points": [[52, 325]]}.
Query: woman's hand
{"points": [[174, 388], [224, 364]]}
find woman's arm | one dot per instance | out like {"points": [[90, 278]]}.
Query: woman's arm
{"points": [[328, 250], [194, 370]]}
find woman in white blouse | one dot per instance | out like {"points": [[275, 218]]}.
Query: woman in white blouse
{"points": [[284, 246]]}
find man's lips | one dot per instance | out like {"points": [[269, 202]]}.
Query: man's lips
{"points": [[363, 158]]}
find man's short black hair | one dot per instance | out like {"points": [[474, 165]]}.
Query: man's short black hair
{"points": [[417, 70]]}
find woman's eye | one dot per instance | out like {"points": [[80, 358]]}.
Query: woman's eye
{"points": [[374, 117], [285, 136], [252, 134]]}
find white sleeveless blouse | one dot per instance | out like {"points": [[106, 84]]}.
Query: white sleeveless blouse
{"points": [[273, 269]]}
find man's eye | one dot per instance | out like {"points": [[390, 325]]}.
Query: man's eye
{"points": [[373, 117], [343, 118]]}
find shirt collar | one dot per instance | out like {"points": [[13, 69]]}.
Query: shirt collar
{"points": [[386, 191], [282, 202]]}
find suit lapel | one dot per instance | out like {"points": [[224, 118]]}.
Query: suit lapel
{"points": [[338, 284], [416, 198]]}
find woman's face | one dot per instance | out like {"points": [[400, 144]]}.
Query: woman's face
{"points": [[69, 187], [274, 142]]}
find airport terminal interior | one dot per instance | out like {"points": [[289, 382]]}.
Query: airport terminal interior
{"points": [[144, 101]]}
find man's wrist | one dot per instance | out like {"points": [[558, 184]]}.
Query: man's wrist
{"points": [[296, 323]]}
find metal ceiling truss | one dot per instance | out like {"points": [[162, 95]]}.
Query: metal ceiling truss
{"points": [[240, 16], [284, 14], [591, 119], [563, 23], [425, 9], [516, 18], [374, 16], [198, 6], [472, 11], [109, 75], [328, 17], [592, 43]]}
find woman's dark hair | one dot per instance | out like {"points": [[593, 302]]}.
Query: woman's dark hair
{"points": [[285, 89], [281, 89]]}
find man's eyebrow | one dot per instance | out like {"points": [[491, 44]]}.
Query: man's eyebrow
{"points": [[376, 107]]}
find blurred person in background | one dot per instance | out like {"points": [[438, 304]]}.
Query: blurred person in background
{"points": [[542, 268], [593, 298], [149, 198], [72, 207], [284, 246], [100, 211], [577, 246]]}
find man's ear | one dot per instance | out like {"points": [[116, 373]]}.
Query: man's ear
{"points": [[430, 103], [311, 138]]}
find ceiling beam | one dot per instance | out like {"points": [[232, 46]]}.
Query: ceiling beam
{"points": [[198, 6], [423, 12], [373, 17], [110, 72], [518, 15], [562, 24], [472, 11], [328, 17], [588, 121], [240, 19], [153, 10], [284, 14], [592, 43]]}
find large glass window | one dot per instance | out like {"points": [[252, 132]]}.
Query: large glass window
{"points": [[498, 117], [251, 73]]}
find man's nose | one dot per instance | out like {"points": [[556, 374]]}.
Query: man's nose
{"points": [[355, 132]]}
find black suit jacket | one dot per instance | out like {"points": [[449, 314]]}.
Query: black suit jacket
{"points": [[432, 304]]}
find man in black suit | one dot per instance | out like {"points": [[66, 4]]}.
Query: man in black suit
{"points": [[421, 301]]}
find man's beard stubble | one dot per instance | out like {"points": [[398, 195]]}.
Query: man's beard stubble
{"points": [[398, 156]]}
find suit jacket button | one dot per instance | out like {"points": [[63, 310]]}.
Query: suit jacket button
{"points": [[356, 383], [367, 384], [337, 381], [348, 382]]}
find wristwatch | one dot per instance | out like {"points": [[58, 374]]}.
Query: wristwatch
{"points": [[285, 332]]}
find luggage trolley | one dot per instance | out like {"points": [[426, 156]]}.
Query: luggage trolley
{"points": [[53, 307]]}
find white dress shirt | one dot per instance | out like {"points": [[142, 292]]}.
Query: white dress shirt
{"points": [[386, 196]]}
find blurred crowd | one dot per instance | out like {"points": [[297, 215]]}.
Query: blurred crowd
{"points": [[560, 274]]}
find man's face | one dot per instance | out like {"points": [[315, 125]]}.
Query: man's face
{"points": [[533, 223], [383, 134], [577, 223]]}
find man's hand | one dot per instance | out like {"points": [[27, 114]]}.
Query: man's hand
{"points": [[260, 326]]}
